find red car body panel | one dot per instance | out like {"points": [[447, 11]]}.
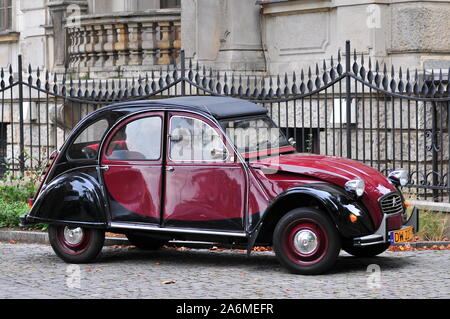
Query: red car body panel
{"points": [[297, 169], [136, 187], [193, 191]]}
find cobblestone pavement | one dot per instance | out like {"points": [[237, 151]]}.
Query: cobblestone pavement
{"points": [[34, 271]]}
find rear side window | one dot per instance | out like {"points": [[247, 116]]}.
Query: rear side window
{"points": [[86, 145]]}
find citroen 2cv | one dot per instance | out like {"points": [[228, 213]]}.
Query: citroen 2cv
{"points": [[213, 169]]}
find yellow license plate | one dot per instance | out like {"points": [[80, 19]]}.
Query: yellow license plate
{"points": [[402, 235]]}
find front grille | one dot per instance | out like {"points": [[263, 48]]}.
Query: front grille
{"points": [[392, 204]]}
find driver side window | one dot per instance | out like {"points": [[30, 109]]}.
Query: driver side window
{"points": [[194, 140]]}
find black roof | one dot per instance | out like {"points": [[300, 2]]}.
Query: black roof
{"points": [[218, 107]]}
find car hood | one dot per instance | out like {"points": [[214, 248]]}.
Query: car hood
{"points": [[330, 169]]}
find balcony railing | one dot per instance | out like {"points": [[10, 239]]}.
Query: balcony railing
{"points": [[148, 38]]}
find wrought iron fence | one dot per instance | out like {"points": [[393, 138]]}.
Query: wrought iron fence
{"points": [[347, 106]]}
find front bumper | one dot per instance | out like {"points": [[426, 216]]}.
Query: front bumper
{"points": [[382, 235]]}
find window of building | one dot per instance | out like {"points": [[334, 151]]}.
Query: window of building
{"points": [[5, 15], [170, 4]]}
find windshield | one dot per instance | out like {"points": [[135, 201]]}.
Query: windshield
{"points": [[253, 135]]}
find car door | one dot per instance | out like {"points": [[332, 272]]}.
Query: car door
{"points": [[132, 169], [205, 184]]}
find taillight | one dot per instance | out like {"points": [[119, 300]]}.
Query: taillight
{"points": [[45, 171], [49, 164]]}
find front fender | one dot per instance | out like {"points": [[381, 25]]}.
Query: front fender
{"points": [[335, 202], [71, 198]]}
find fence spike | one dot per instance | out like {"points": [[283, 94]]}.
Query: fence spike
{"points": [[325, 77], [339, 67], [204, 79], [240, 88], [416, 88], [441, 89], [401, 85], [2, 82], [408, 87], [317, 80], [255, 90], [355, 66], [286, 87]]}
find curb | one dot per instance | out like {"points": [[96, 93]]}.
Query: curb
{"points": [[35, 237]]}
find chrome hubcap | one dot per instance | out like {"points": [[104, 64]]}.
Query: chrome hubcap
{"points": [[305, 241], [73, 236]]}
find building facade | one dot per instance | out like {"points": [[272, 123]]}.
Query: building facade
{"points": [[263, 36], [290, 56]]}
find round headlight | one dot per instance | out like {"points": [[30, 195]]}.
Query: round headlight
{"points": [[399, 177], [355, 186]]}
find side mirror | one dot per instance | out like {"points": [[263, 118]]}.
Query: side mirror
{"points": [[292, 141]]}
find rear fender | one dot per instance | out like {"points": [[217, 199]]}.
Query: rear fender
{"points": [[71, 198]]}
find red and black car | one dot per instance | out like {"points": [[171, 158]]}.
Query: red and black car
{"points": [[213, 169]]}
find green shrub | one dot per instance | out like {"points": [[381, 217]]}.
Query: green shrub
{"points": [[15, 191], [432, 225], [10, 212]]}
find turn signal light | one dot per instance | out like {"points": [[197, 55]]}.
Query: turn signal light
{"points": [[353, 218]]}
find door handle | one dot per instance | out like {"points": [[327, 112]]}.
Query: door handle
{"points": [[170, 168]]}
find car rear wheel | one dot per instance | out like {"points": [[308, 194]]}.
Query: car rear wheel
{"points": [[306, 241], [368, 251], [76, 245], [146, 243]]}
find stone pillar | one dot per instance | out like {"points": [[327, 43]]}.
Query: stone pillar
{"points": [[121, 44], [164, 44], [59, 10], [238, 49], [100, 54], [148, 43], [135, 43], [212, 32], [108, 47]]}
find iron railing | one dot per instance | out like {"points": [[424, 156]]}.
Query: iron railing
{"points": [[351, 107]]}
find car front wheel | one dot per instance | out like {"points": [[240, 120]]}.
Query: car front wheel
{"points": [[76, 245], [306, 241]]}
